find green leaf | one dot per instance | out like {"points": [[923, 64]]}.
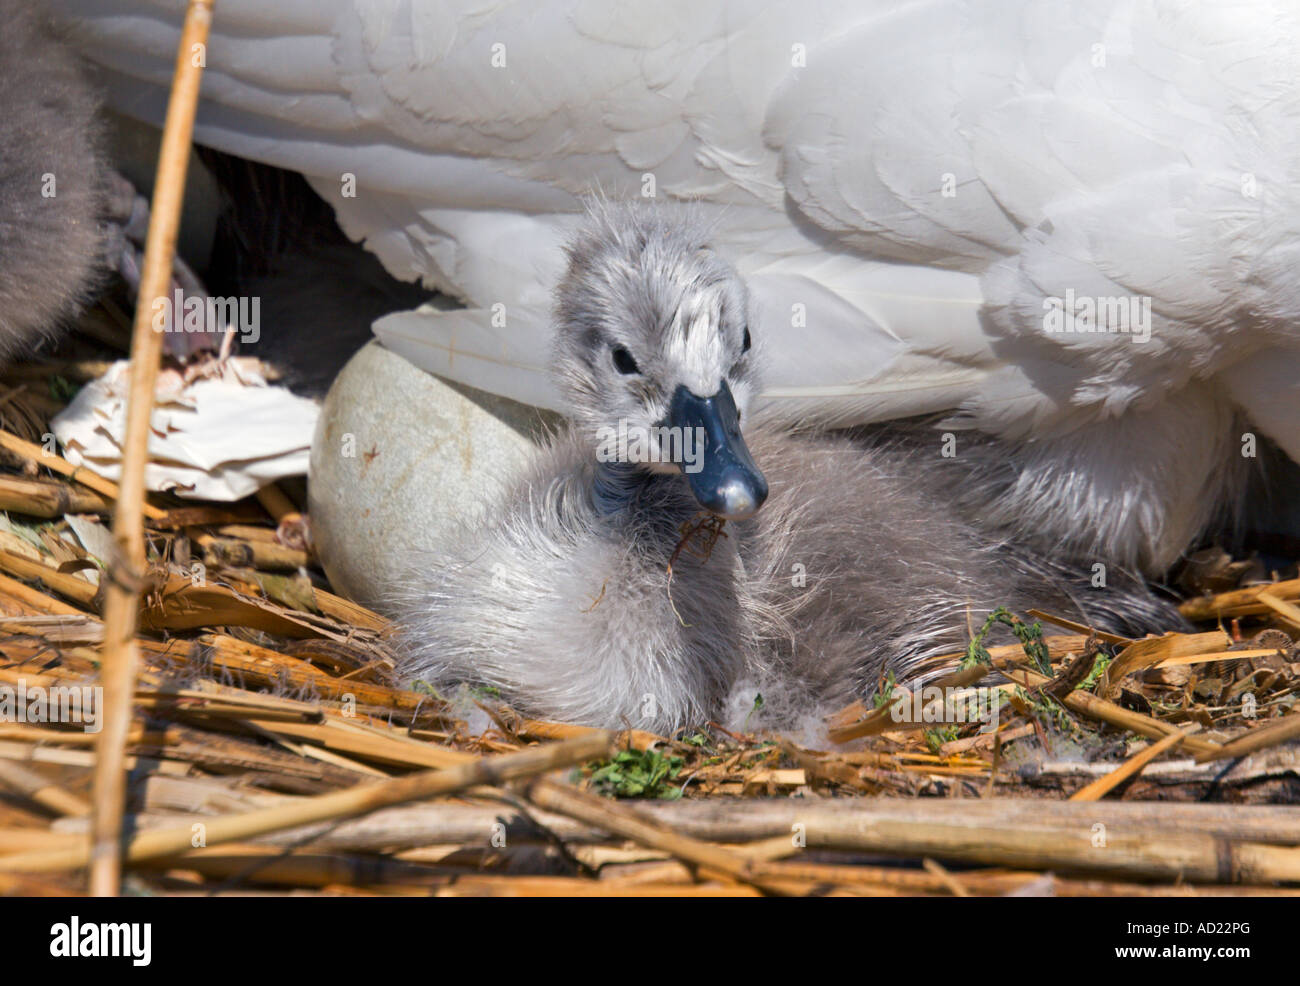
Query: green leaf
{"points": [[637, 774]]}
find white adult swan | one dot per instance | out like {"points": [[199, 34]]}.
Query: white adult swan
{"points": [[916, 193]]}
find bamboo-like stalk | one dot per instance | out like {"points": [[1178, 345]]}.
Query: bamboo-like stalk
{"points": [[727, 820], [36, 601], [268, 865], [48, 499], [79, 758], [1165, 855], [751, 821], [80, 474], [122, 597], [1065, 843], [1238, 602], [263, 666], [538, 729], [37, 789], [52, 734], [26, 840], [265, 555], [1088, 704], [274, 502], [338, 805], [61, 582], [487, 886], [334, 735]]}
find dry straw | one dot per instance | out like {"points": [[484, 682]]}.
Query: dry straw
{"points": [[122, 599]]}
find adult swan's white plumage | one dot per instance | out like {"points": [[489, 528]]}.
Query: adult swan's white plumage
{"points": [[908, 191]]}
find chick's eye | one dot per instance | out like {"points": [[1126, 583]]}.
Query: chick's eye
{"points": [[745, 343], [623, 361]]}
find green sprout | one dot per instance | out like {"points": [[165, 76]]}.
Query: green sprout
{"points": [[638, 774], [1030, 636]]}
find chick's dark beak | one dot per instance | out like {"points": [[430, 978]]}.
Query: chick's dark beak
{"points": [[722, 475]]}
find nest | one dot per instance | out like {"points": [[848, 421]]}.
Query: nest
{"points": [[267, 719]]}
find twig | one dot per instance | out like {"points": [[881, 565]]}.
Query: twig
{"points": [[611, 817], [265, 555], [74, 588], [122, 598], [1080, 628], [1102, 786], [273, 500], [1238, 602], [335, 806], [42, 792], [56, 463], [707, 528], [1275, 732], [947, 879], [1289, 612], [1086, 703], [38, 498]]}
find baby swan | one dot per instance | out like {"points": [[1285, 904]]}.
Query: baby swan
{"points": [[577, 595]]}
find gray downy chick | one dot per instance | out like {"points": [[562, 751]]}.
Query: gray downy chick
{"points": [[843, 556], [54, 181]]}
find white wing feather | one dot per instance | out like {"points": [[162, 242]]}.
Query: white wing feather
{"points": [[921, 179]]}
